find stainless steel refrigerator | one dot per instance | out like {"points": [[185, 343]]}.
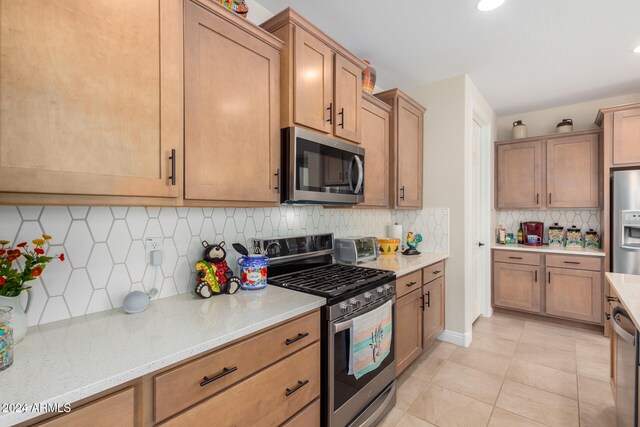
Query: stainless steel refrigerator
{"points": [[625, 231]]}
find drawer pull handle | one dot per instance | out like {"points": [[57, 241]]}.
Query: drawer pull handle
{"points": [[290, 341], [535, 276], [428, 298], [515, 257], [298, 386], [611, 299], [607, 316], [224, 373], [437, 272], [172, 178], [410, 284], [330, 109], [572, 262]]}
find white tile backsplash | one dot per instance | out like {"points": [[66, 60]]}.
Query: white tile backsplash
{"points": [[584, 219], [106, 257]]}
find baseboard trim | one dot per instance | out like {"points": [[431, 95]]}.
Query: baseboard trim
{"points": [[457, 338]]}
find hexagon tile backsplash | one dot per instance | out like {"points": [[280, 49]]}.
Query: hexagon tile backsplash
{"points": [[107, 259], [584, 219]]}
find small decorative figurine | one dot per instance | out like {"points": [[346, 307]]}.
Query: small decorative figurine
{"points": [[412, 243], [368, 78], [213, 274]]}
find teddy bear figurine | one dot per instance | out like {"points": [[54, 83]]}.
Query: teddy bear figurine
{"points": [[213, 274]]}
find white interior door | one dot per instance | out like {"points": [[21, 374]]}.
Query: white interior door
{"points": [[477, 223]]}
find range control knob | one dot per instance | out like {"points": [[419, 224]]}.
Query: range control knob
{"points": [[368, 297], [355, 304], [344, 307], [388, 289], [380, 291]]}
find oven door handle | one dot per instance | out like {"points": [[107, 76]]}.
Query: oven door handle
{"points": [[343, 326]]}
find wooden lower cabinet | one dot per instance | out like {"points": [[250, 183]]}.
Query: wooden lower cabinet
{"points": [[574, 294], [612, 302], [308, 417], [117, 409], [269, 398], [408, 329], [517, 286], [433, 315]]}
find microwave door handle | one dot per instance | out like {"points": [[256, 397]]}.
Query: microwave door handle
{"points": [[350, 174], [360, 174]]}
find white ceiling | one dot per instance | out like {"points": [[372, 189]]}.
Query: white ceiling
{"points": [[524, 56]]}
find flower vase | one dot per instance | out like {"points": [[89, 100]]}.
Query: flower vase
{"points": [[18, 316]]}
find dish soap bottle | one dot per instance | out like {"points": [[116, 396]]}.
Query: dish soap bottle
{"points": [[520, 235]]}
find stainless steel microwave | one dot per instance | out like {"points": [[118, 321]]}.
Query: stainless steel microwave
{"points": [[320, 169]]}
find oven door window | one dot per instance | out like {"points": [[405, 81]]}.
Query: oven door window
{"points": [[321, 168], [346, 385]]}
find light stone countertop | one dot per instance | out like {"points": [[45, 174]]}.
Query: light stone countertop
{"points": [[546, 249], [69, 360], [403, 264], [627, 286]]}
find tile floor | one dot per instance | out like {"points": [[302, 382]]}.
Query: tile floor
{"points": [[515, 373]]}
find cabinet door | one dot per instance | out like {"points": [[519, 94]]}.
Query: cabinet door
{"points": [[433, 317], [573, 172], [409, 149], [232, 137], [91, 97], [408, 329], [348, 100], [574, 294], [375, 141], [313, 82], [519, 175], [626, 137], [517, 286]]}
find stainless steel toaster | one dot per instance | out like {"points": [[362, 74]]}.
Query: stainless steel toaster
{"points": [[355, 250]]}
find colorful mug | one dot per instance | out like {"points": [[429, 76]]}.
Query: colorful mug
{"points": [[533, 240]]}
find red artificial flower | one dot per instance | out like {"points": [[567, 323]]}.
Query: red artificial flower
{"points": [[13, 254], [2, 252], [2, 280], [22, 245], [39, 251], [37, 271], [62, 257]]}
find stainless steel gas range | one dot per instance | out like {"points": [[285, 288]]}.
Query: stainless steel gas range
{"points": [[305, 264]]}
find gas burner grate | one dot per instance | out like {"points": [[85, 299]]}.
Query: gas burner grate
{"points": [[330, 280]]}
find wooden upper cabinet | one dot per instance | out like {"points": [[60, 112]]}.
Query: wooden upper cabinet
{"points": [[313, 88], [574, 294], [519, 168], [407, 141], [348, 99], [375, 141], [232, 107], [573, 172], [517, 286], [626, 137], [321, 80], [91, 97]]}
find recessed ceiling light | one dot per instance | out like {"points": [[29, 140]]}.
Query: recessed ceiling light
{"points": [[487, 5], [637, 49]]}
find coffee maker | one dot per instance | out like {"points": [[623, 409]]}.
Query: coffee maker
{"points": [[533, 232]]}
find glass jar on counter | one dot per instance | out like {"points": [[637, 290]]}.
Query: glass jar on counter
{"points": [[556, 235], [574, 237], [591, 239], [6, 338]]}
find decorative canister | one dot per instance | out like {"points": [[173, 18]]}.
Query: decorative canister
{"points": [[368, 78], [574, 237], [6, 338], [591, 239], [566, 125], [238, 6], [253, 271], [519, 130], [556, 235]]}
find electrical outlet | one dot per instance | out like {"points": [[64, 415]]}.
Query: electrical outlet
{"points": [[152, 244]]}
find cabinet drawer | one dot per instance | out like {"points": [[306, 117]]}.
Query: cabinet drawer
{"points": [[117, 409], [271, 396], [308, 417], [573, 261], [432, 272], [408, 283], [185, 385], [516, 257]]}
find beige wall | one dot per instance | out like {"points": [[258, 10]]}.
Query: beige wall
{"points": [[543, 122], [444, 179], [258, 13]]}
